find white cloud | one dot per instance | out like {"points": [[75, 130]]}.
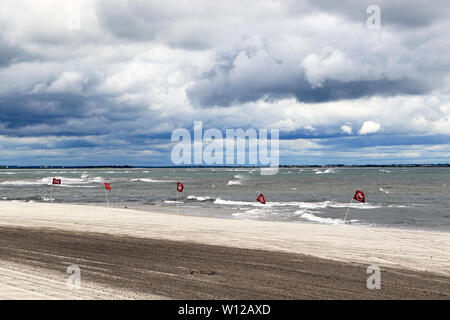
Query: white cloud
{"points": [[369, 127], [346, 129], [330, 64]]}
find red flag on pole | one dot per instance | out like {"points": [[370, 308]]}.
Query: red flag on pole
{"points": [[261, 199], [56, 181], [359, 196], [107, 187], [180, 188]]}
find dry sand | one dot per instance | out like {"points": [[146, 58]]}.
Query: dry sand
{"points": [[134, 254]]}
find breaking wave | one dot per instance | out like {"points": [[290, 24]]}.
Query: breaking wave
{"points": [[299, 204], [237, 180], [151, 180], [329, 170], [322, 220], [66, 182], [21, 183], [299, 215], [201, 199], [382, 190]]}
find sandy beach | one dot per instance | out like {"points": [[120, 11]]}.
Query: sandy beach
{"points": [[132, 254]]}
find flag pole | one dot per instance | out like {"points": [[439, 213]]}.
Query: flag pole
{"points": [[107, 200], [51, 189], [348, 209], [177, 201]]}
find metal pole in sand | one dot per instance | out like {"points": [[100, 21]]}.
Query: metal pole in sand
{"points": [[348, 209], [107, 200], [177, 201], [51, 189]]}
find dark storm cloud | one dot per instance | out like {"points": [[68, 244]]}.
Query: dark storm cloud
{"points": [[273, 81], [228, 94], [333, 90], [11, 53], [21, 111], [64, 115]]}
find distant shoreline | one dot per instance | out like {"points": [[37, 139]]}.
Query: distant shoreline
{"points": [[436, 165]]}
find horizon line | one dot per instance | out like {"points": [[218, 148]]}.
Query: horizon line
{"points": [[223, 166]]}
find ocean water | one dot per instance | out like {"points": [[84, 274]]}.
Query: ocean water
{"points": [[413, 198]]}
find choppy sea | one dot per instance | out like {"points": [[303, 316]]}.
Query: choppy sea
{"points": [[401, 197]]}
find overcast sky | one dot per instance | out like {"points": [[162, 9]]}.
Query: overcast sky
{"points": [[108, 86]]}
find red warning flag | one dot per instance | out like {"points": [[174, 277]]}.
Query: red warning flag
{"points": [[180, 187], [359, 196], [107, 186], [261, 199], [56, 181]]}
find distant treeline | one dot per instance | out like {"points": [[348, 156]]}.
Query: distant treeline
{"points": [[281, 166]]}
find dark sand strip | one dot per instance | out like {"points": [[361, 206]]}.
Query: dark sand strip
{"points": [[183, 270]]}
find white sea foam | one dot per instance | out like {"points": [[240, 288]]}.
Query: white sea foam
{"points": [[20, 183], [298, 204], [269, 171], [199, 198], [382, 190], [65, 181], [312, 217], [268, 214], [116, 171], [237, 203], [257, 213], [151, 180], [73, 181], [171, 202], [329, 170], [384, 171], [237, 180]]}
